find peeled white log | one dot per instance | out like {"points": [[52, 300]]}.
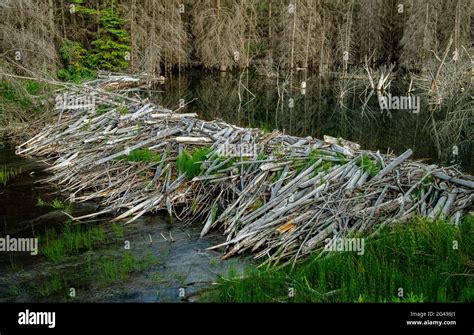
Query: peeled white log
{"points": [[271, 166], [192, 140], [353, 181], [449, 203], [340, 141], [438, 207], [321, 236], [362, 179], [173, 115]]}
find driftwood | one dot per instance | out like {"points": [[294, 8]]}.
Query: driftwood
{"points": [[280, 199]]}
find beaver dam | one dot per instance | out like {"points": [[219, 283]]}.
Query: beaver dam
{"points": [[280, 197]]}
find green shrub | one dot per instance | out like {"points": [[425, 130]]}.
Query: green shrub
{"points": [[190, 163]]}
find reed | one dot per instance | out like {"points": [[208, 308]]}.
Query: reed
{"points": [[7, 174]]}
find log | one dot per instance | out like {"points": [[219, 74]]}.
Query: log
{"points": [[389, 168], [192, 140], [459, 181]]}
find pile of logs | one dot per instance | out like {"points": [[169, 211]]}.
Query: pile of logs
{"points": [[280, 203]]}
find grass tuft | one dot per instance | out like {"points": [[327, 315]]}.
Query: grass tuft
{"points": [[190, 163], [70, 241], [7, 174], [141, 155]]}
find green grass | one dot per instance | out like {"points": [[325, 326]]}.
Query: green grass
{"points": [[41, 203], [118, 230], [14, 290], [7, 174], [418, 256], [213, 262], [266, 127], [177, 277], [122, 110], [14, 265], [52, 285], [141, 155], [314, 156], [56, 204], [21, 100], [35, 88], [72, 240], [101, 109], [259, 202], [112, 271], [190, 163], [157, 278], [83, 241], [108, 270]]}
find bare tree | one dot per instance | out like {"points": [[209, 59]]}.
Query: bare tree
{"points": [[28, 36]]}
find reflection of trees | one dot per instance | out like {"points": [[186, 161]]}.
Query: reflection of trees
{"points": [[218, 98], [170, 93]]}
